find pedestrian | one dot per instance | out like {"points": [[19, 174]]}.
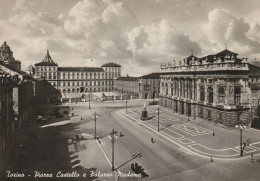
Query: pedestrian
{"points": [[252, 157], [213, 133], [248, 141], [81, 118], [72, 108], [211, 159], [244, 145], [188, 119], [152, 140]]}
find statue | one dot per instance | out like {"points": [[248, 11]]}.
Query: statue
{"points": [[144, 114]]}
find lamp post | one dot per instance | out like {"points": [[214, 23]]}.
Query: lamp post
{"points": [[126, 104], [95, 116], [76, 97], [241, 138], [113, 137], [158, 118], [89, 101]]}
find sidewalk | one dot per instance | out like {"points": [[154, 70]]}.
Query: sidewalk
{"points": [[198, 136]]}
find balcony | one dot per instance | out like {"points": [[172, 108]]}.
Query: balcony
{"points": [[204, 67]]}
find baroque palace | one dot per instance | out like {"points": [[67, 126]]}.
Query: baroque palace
{"points": [[77, 79], [218, 88]]}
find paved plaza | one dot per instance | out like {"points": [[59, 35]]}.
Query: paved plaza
{"points": [[199, 137]]}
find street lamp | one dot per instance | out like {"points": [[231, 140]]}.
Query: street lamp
{"points": [[95, 116], [158, 118], [76, 97], [126, 104], [113, 137], [89, 101], [241, 139]]}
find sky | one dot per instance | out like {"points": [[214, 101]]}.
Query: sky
{"points": [[137, 34]]}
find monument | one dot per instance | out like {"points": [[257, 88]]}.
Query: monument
{"points": [[144, 114]]}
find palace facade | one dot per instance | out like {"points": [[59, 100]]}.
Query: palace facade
{"points": [[78, 79], [214, 88]]}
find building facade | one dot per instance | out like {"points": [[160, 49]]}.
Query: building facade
{"points": [[6, 111], [78, 79], [128, 86], [150, 86], [214, 88], [6, 58]]}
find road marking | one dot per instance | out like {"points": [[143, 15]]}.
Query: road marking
{"points": [[184, 141], [226, 149], [245, 150], [190, 129], [198, 153]]}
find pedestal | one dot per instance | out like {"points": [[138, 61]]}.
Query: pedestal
{"points": [[144, 115]]}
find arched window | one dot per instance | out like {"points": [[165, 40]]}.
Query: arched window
{"points": [[237, 95], [166, 87], [202, 93], [68, 90], [221, 95], [64, 90], [210, 93], [73, 90]]}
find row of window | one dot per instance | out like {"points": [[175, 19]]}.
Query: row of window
{"points": [[87, 83], [54, 68], [221, 94], [52, 76], [46, 68], [114, 69], [82, 90]]}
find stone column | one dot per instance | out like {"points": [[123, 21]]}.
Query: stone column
{"points": [[173, 83], [206, 92], [215, 91], [185, 88], [198, 90], [179, 88], [227, 92]]}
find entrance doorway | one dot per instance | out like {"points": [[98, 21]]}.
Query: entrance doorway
{"points": [[182, 108], [81, 89], [188, 110]]}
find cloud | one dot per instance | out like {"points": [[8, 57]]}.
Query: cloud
{"points": [[136, 34], [222, 27], [159, 42]]}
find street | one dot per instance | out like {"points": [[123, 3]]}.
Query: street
{"points": [[54, 146]]}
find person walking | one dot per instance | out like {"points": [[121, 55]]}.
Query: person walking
{"points": [[252, 157], [152, 140]]}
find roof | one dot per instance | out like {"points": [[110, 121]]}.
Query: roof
{"points": [[111, 65], [84, 69], [191, 57], [209, 58], [30, 68], [45, 64], [47, 61], [5, 47], [13, 69], [127, 78], [225, 52], [151, 76], [254, 70]]}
